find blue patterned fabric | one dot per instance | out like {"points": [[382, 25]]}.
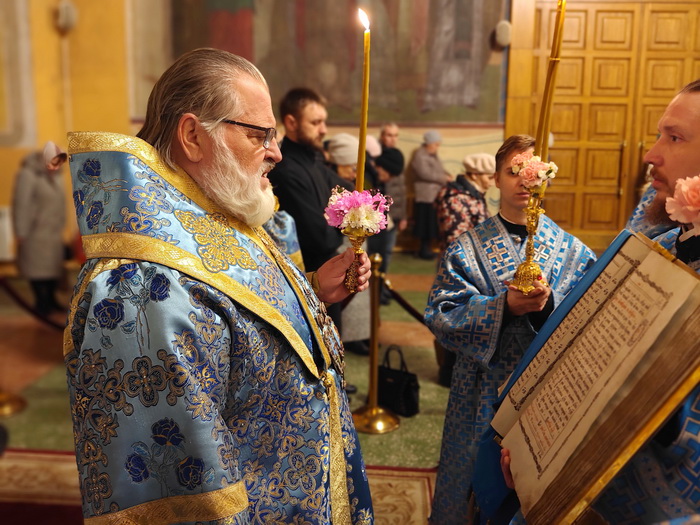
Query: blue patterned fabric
{"points": [[465, 312], [205, 376], [283, 231]]}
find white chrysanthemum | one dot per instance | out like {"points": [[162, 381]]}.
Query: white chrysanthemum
{"points": [[362, 217]]}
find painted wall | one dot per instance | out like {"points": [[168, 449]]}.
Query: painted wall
{"points": [[88, 79]]}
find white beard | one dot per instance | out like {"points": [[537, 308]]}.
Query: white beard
{"points": [[237, 193]]}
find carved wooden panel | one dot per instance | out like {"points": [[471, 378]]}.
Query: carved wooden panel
{"points": [[560, 207], [569, 78], [614, 30], [566, 121], [611, 77], [607, 122], [668, 30], [567, 161], [621, 63], [650, 119], [602, 167], [574, 36], [663, 77], [600, 211]]}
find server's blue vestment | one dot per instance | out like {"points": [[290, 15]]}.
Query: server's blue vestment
{"points": [[466, 311], [205, 376]]}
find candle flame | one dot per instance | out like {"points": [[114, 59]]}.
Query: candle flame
{"points": [[363, 18]]}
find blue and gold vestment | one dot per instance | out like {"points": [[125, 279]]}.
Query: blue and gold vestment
{"points": [[466, 313], [205, 376]]}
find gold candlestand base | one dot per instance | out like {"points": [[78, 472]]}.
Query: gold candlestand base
{"points": [[375, 420], [527, 273], [11, 404]]}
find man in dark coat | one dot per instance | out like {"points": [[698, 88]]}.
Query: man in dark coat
{"points": [[301, 181]]}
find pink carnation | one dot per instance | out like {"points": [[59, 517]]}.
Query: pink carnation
{"points": [[520, 160], [532, 170], [357, 210], [531, 175], [684, 206]]}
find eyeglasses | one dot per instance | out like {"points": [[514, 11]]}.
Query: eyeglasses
{"points": [[270, 133]]}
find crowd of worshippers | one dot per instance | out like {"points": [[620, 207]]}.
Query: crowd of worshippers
{"points": [[205, 340]]}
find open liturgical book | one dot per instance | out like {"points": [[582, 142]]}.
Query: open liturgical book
{"points": [[610, 366]]}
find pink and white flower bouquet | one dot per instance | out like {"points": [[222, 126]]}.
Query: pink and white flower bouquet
{"points": [[533, 171], [684, 206], [357, 212]]}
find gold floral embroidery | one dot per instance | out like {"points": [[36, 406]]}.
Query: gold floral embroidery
{"points": [[218, 247]]}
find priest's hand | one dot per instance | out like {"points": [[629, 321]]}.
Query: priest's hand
{"points": [[505, 468], [521, 304], [331, 276]]}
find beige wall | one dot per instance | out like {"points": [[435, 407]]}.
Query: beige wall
{"points": [[78, 81]]}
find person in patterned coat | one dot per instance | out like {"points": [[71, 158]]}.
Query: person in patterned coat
{"points": [[461, 204], [205, 376], [473, 312]]}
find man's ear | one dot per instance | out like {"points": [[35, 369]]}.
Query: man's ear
{"points": [[290, 122], [190, 136]]}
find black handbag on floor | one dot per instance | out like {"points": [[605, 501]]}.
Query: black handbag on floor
{"points": [[397, 387]]}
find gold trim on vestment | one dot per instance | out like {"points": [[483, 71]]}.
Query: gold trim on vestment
{"points": [[340, 500], [297, 259], [210, 506], [115, 245], [88, 142]]}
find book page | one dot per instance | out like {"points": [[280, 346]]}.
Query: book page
{"points": [[620, 267], [592, 370]]}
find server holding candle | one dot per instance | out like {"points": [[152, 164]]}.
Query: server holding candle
{"points": [[473, 312]]}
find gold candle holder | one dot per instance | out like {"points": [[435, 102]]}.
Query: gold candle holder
{"points": [[528, 271], [357, 238], [10, 404]]}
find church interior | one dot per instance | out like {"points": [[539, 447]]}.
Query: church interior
{"points": [[82, 65]]}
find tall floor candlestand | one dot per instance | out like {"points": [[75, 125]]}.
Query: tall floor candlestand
{"points": [[371, 418]]}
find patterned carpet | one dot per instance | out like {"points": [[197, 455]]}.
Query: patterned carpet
{"points": [[43, 485]]}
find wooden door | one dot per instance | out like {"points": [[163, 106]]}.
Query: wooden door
{"points": [[620, 65], [669, 58]]}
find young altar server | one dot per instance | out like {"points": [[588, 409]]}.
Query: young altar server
{"points": [[474, 312]]}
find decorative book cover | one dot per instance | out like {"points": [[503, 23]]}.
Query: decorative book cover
{"points": [[608, 368]]}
